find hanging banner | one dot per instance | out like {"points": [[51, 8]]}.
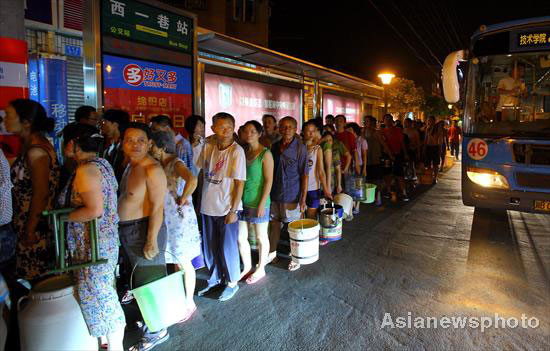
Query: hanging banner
{"points": [[33, 79], [246, 99], [52, 92], [340, 105], [146, 89]]}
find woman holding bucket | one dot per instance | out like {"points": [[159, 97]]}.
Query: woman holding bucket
{"points": [[92, 190], [317, 177], [184, 241], [256, 201]]}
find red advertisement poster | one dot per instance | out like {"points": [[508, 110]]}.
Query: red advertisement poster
{"points": [[246, 100], [339, 105], [147, 89]]}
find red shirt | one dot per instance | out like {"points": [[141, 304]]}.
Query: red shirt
{"points": [[348, 139], [394, 138], [454, 134]]}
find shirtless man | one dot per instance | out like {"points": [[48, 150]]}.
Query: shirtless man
{"points": [[140, 209]]}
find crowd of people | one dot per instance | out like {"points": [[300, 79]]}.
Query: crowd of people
{"points": [[163, 199]]}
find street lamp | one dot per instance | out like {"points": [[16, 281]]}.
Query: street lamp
{"points": [[386, 80]]}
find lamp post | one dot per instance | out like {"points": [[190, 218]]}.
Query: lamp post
{"points": [[386, 80]]}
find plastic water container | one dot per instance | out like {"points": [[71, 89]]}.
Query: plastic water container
{"points": [[50, 318]]}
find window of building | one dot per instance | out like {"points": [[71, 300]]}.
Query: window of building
{"points": [[244, 10]]}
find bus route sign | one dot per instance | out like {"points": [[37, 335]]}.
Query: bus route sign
{"points": [[531, 40], [134, 21]]}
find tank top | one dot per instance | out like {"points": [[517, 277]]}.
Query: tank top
{"points": [[312, 179], [374, 152], [254, 185]]}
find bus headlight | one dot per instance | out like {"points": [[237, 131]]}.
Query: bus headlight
{"points": [[487, 178]]}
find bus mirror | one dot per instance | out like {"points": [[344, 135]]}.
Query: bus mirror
{"points": [[451, 88]]}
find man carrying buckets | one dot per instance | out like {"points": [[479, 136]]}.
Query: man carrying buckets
{"points": [[140, 209], [290, 183], [223, 163]]}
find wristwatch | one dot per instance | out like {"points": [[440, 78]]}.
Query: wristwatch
{"points": [[233, 211]]}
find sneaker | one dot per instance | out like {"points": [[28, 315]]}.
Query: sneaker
{"points": [[148, 343], [228, 293], [387, 195], [406, 198], [355, 211], [206, 290], [127, 298]]}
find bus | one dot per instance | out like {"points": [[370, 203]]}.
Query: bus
{"points": [[506, 119]]}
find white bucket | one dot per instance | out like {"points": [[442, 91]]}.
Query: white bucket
{"points": [[51, 319], [346, 202], [304, 241]]}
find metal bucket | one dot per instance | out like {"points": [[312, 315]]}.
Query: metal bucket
{"points": [[329, 218]]}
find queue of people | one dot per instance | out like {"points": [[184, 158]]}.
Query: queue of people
{"points": [[163, 199]]}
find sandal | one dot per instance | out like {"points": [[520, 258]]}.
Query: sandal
{"points": [[293, 266], [188, 315], [254, 278]]}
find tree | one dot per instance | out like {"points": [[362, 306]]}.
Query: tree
{"points": [[404, 96], [436, 106]]}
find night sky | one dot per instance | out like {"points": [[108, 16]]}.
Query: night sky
{"points": [[353, 37]]}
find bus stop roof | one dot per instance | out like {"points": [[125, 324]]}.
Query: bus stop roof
{"points": [[223, 45]]}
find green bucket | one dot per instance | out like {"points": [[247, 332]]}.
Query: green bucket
{"points": [[370, 190], [161, 302]]}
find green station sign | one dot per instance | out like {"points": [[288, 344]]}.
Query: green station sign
{"points": [[135, 21]]}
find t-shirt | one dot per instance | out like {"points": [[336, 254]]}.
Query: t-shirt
{"points": [[454, 134], [220, 168], [508, 83], [348, 139], [394, 139], [361, 145]]}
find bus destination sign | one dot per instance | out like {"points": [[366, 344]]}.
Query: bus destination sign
{"points": [[531, 40], [135, 21]]}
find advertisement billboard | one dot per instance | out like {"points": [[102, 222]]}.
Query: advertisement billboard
{"points": [[146, 89], [246, 100], [340, 105]]}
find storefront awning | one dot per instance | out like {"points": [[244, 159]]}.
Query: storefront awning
{"points": [[222, 45]]}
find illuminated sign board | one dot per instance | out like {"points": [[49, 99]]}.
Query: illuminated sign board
{"points": [[135, 21], [531, 40], [146, 89]]}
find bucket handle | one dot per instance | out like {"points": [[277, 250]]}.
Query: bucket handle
{"points": [[21, 299], [141, 258]]}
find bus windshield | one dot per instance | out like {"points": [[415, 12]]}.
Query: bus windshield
{"points": [[509, 96]]}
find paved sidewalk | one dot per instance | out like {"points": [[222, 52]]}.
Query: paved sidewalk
{"points": [[407, 257]]}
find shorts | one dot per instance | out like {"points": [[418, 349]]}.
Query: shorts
{"points": [[374, 172], [249, 215], [432, 155], [285, 212], [133, 236], [8, 242], [313, 198], [395, 167]]}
